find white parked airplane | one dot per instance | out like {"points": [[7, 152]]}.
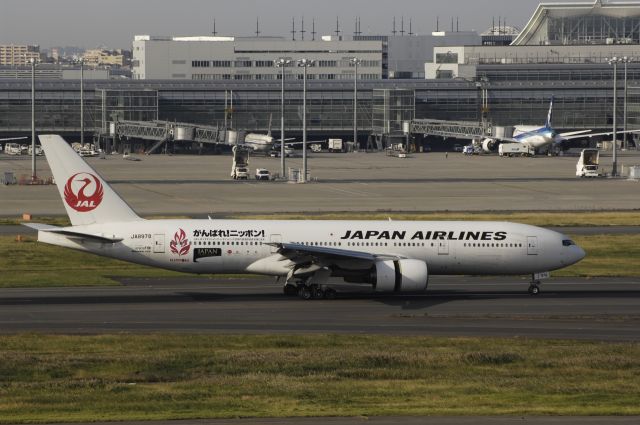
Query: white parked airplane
{"points": [[543, 137], [391, 256]]}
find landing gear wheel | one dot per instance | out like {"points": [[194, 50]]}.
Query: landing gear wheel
{"points": [[289, 289], [305, 293], [534, 290], [317, 292], [330, 294]]}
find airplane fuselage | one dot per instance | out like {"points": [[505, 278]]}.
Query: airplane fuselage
{"points": [[244, 246], [535, 137]]}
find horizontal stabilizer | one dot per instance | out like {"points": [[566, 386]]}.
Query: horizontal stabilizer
{"points": [[72, 233]]}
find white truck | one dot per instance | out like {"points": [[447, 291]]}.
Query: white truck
{"points": [[13, 149], [240, 165], [588, 164], [515, 149], [336, 145]]}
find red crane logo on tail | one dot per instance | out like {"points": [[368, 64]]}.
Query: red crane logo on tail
{"points": [[83, 192], [180, 244]]}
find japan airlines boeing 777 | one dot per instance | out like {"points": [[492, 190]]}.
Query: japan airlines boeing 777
{"points": [[391, 256]]}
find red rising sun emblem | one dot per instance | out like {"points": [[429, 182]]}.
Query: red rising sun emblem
{"points": [[83, 192], [180, 244]]}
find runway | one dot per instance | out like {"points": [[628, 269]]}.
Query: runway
{"points": [[594, 309]]}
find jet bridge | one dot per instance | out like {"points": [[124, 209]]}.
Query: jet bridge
{"points": [[455, 129], [167, 131]]}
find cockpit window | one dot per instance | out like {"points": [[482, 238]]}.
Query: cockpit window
{"points": [[568, 242]]}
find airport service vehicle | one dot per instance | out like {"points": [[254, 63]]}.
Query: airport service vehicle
{"points": [[12, 149], [388, 256], [515, 149], [262, 174], [457, 148], [240, 165], [39, 151], [315, 147], [468, 150], [336, 145], [588, 164]]}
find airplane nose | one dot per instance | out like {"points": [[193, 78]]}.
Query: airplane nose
{"points": [[578, 253]]}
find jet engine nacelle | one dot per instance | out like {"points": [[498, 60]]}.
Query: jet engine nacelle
{"points": [[488, 145], [400, 276]]}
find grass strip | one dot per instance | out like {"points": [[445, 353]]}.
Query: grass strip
{"points": [[32, 264], [47, 378]]}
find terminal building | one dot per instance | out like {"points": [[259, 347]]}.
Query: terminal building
{"points": [[213, 81]]}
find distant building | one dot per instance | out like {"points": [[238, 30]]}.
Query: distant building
{"points": [[102, 57], [251, 58], [18, 54], [580, 23], [570, 34]]}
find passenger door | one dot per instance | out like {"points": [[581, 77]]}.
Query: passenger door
{"points": [[443, 247], [532, 245], [158, 243]]}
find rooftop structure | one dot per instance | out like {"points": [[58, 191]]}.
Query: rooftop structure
{"points": [[570, 23]]}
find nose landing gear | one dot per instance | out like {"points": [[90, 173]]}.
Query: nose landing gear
{"points": [[534, 286]]}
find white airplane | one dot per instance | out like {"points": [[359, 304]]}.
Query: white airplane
{"points": [[390, 256], [263, 142], [539, 138]]}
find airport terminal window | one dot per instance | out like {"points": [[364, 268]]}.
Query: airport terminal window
{"points": [[200, 64], [221, 64]]}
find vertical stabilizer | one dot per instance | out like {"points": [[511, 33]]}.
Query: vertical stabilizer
{"points": [[550, 114], [86, 196]]}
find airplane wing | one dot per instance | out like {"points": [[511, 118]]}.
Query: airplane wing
{"points": [[573, 133], [325, 255], [13, 138], [609, 133], [72, 234]]}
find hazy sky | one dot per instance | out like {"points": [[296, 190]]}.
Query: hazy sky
{"points": [[113, 23]]}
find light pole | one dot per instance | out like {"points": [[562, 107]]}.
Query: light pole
{"points": [[282, 63], [33, 120], [624, 113], [81, 63], [614, 61], [304, 63], [355, 62]]}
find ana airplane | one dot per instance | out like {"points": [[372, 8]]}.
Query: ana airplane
{"points": [[264, 143], [390, 256], [541, 138]]}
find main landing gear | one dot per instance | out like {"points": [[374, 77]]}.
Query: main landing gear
{"points": [[307, 291], [534, 287]]}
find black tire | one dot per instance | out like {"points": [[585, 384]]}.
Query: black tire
{"points": [[304, 293], [534, 290]]}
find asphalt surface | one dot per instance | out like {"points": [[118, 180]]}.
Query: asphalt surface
{"points": [[594, 309], [197, 185]]}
